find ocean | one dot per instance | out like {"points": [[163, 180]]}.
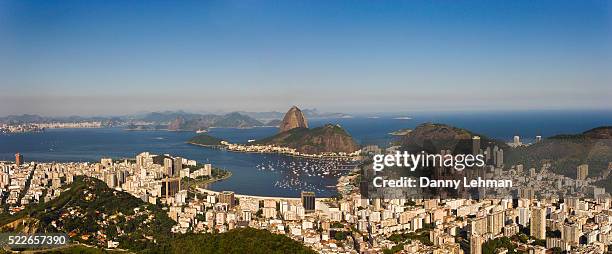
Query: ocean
{"points": [[276, 175]]}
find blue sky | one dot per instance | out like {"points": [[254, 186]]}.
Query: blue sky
{"points": [[117, 57]]}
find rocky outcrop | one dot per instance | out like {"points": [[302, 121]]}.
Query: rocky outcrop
{"points": [[294, 118]]}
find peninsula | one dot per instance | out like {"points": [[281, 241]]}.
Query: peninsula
{"points": [[295, 139]]}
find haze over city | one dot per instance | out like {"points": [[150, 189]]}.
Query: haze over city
{"points": [[101, 58]]}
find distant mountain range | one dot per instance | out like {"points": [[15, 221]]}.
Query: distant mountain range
{"points": [[293, 133], [196, 122], [175, 120], [275, 115]]}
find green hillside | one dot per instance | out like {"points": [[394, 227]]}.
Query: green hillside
{"points": [[565, 152], [327, 138], [92, 214], [244, 240], [434, 137]]}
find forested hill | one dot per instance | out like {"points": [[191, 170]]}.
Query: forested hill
{"points": [[92, 213]]}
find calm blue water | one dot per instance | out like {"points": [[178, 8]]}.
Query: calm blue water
{"points": [[270, 175]]}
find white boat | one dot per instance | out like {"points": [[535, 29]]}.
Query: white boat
{"points": [[201, 131]]}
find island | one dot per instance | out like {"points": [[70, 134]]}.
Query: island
{"points": [[400, 132], [205, 140]]}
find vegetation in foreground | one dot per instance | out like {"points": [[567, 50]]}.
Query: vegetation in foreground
{"points": [[243, 240], [91, 213]]}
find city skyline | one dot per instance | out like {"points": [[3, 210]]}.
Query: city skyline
{"points": [[117, 58]]}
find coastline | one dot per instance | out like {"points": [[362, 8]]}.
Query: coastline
{"points": [[238, 195], [198, 188], [207, 146], [197, 183], [302, 156], [184, 130]]}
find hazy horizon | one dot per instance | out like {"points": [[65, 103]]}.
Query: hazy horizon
{"points": [[352, 114], [119, 58]]}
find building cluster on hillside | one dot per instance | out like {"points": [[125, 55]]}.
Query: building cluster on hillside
{"points": [[150, 177], [255, 148], [19, 128], [36, 127], [516, 141]]}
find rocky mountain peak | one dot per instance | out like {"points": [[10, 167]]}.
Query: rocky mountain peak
{"points": [[294, 118]]}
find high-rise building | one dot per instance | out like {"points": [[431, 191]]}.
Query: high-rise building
{"points": [[582, 172], [110, 179], [207, 170], [121, 176], [308, 201], [494, 155], [169, 166], [523, 216], [144, 159], [247, 215], [475, 145], [499, 158], [478, 226], [571, 234], [18, 159], [170, 186], [106, 162], [495, 222], [538, 223], [516, 140], [227, 197], [5, 179], [476, 242], [177, 166], [538, 139]]}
